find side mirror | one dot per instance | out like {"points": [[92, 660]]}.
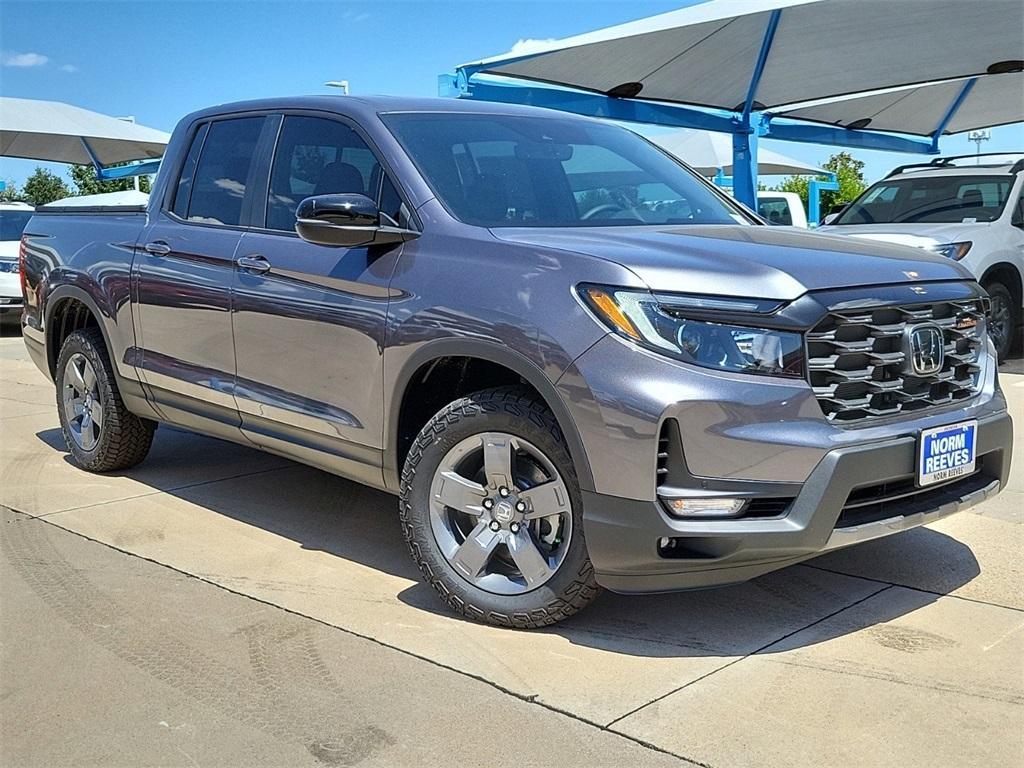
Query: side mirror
{"points": [[1017, 217], [347, 221]]}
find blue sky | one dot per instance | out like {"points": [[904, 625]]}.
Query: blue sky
{"points": [[160, 60]]}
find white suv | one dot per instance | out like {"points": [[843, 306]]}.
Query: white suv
{"points": [[969, 212], [13, 218]]}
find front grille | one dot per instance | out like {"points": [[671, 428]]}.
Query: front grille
{"points": [[858, 368]]}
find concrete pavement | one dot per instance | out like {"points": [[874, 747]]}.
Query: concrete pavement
{"points": [[904, 651]]}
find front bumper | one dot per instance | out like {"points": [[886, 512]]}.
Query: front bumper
{"points": [[623, 535]]}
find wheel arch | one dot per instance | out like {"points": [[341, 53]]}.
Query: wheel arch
{"points": [[1008, 274], [492, 362], [58, 321]]}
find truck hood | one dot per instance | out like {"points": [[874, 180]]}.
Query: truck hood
{"points": [[915, 235], [750, 261]]}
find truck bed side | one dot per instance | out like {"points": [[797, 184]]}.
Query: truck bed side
{"points": [[77, 272]]}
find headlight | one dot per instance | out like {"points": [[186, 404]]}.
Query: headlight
{"points": [[660, 323], [955, 251]]}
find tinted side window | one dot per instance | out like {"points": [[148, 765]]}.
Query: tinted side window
{"points": [[223, 171], [316, 156], [391, 203], [188, 170]]}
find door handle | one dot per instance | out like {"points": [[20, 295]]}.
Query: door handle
{"points": [[254, 263], [157, 248]]}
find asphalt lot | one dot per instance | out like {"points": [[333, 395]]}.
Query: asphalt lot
{"points": [[219, 606]]}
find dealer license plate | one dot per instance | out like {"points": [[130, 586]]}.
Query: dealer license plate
{"points": [[946, 452]]}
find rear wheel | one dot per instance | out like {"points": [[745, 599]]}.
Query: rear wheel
{"points": [[491, 510], [102, 435], [1004, 318]]}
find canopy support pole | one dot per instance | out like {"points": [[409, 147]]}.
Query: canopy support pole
{"points": [[92, 155], [951, 112], [744, 168], [814, 189], [744, 138]]}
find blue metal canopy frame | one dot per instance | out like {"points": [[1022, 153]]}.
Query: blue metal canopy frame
{"points": [[746, 125], [104, 173]]}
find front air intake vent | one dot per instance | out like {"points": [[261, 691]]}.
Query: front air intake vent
{"points": [[663, 448]]}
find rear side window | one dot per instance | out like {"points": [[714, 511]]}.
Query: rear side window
{"points": [[188, 172], [221, 175], [316, 156]]}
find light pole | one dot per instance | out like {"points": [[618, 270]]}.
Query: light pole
{"points": [[131, 119], [343, 84], [977, 137]]}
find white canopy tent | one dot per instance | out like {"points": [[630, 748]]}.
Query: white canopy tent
{"points": [[705, 54], [708, 153], [987, 102], [62, 133], [734, 66]]}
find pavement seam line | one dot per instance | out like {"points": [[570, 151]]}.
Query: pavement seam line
{"points": [[914, 589], [755, 652], [529, 699], [156, 492]]}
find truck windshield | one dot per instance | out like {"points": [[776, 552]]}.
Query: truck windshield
{"points": [[12, 224], [517, 171], [936, 199]]}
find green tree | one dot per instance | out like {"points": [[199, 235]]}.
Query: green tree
{"points": [[10, 193], [84, 177], [849, 173], [44, 187]]}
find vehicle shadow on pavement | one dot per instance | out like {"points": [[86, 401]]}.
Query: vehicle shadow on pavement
{"points": [[755, 616], [322, 512]]}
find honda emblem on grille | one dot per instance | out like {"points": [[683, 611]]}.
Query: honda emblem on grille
{"points": [[924, 349]]}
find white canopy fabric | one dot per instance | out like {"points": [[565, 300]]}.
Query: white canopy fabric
{"points": [[53, 131], [992, 100], [708, 152], [707, 54]]}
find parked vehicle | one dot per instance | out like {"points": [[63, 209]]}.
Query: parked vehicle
{"points": [[13, 218], [781, 209], [466, 305], [970, 213]]}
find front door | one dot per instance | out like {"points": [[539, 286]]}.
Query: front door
{"points": [[182, 280], [309, 320]]}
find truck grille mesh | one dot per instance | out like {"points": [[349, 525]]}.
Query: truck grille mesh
{"points": [[857, 365]]}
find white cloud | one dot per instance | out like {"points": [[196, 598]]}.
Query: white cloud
{"points": [[355, 16], [69, 68], [12, 59], [528, 45]]}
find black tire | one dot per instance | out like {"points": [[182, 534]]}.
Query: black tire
{"points": [[1002, 297], [515, 411], [123, 438]]}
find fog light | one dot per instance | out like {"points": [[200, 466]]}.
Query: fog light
{"points": [[705, 507]]}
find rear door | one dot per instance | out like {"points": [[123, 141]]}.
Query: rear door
{"points": [[309, 320], [183, 277]]}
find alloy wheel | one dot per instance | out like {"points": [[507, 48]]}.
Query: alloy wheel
{"points": [[500, 513], [83, 407], [1000, 320]]}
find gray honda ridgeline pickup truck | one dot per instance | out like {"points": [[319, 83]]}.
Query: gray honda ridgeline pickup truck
{"points": [[577, 364]]}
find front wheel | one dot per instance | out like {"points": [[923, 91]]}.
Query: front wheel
{"points": [[1004, 318], [491, 510]]}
